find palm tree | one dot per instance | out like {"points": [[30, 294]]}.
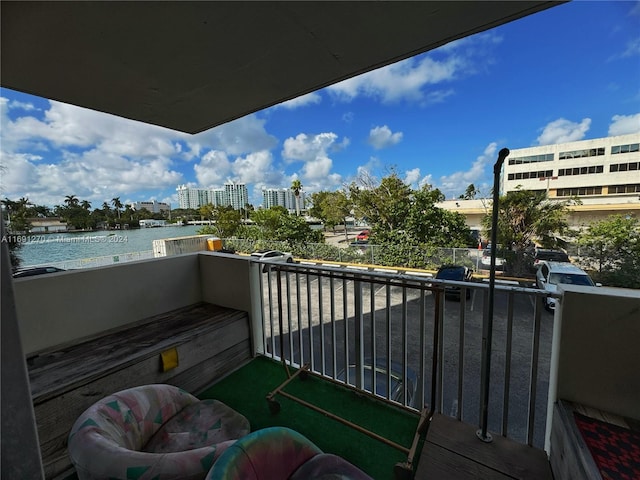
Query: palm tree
{"points": [[296, 187], [117, 204], [71, 201], [86, 204]]}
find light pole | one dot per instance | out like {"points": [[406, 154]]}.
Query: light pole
{"points": [[488, 327]]}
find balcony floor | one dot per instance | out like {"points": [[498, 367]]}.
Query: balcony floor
{"points": [[451, 449]]}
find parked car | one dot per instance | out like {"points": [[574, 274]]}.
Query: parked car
{"points": [[541, 254], [397, 384], [272, 256], [458, 273], [486, 259], [30, 271], [363, 235], [551, 274]]}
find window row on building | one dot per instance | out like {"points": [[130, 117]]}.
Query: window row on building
{"points": [[632, 147], [527, 175], [545, 157], [587, 152], [624, 167], [611, 189], [562, 172]]}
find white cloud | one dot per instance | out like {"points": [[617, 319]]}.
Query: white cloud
{"points": [[418, 79], [213, 169], [404, 80], [71, 150], [382, 137], [624, 124], [455, 184], [256, 168], [313, 151], [562, 131], [244, 135], [412, 177], [301, 101], [308, 147], [27, 107]]}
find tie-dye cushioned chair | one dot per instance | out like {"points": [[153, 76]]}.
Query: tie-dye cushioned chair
{"points": [[279, 453], [157, 432]]}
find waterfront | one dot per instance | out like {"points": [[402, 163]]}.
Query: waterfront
{"points": [[61, 247]]}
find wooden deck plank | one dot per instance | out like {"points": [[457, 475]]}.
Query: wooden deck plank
{"points": [[437, 462], [49, 373], [503, 456]]}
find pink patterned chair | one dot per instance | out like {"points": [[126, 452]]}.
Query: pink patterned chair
{"points": [[279, 453], [157, 432]]}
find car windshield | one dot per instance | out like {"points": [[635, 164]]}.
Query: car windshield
{"points": [[451, 274], [571, 279]]}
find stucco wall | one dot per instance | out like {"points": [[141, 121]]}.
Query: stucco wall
{"points": [[597, 349], [58, 308], [226, 280]]}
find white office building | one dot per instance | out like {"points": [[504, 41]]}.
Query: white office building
{"points": [[602, 168], [604, 173]]}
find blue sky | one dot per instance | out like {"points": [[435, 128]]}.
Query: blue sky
{"points": [[569, 73]]}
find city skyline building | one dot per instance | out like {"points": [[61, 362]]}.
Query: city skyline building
{"points": [[233, 194], [282, 197]]}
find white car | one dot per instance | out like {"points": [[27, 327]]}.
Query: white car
{"points": [[272, 256], [551, 274], [486, 260]]}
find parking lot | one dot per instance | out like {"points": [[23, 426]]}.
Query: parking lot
{"points": [[330, 317]]}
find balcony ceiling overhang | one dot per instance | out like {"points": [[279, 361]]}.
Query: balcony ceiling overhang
{"points": [[190, 66]]}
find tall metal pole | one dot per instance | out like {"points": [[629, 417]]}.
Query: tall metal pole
{"points": [[488, 327]]}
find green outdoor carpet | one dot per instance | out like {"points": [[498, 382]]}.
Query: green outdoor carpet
{"points": [[246, 389]]}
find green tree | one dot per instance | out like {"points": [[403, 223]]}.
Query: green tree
{"points": [[470, 193], [613, 247], [296, 187], [227, 222], [71, 201], [384, 205], [332, 208], [527, 217], [117, 205]]}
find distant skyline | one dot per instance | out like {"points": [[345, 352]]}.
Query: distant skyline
{"points": [[569, 73]]}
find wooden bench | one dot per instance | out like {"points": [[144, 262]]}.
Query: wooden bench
{"points": [[210, 341]]}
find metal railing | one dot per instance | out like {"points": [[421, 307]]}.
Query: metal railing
{"points": [[421, 336]]}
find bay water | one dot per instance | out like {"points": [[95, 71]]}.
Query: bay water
{"points": [[60, 247]]}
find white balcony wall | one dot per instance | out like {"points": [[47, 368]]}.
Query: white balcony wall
{"points": [[179, 245], [595, 349], [62, 307]]}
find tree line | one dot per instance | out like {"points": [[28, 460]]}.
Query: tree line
{"points": [[405, 223]]}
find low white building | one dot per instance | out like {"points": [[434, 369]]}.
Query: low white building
{"points": [[153, 206]]}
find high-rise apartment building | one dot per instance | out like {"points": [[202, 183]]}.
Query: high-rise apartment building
{"points": [[192, 197], [234, 194], [282, 197]]}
